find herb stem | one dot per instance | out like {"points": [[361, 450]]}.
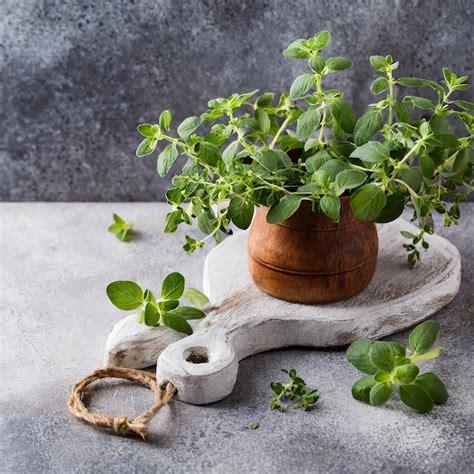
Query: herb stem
{"points": [[280, 131], [390, 98], [323, 124]]}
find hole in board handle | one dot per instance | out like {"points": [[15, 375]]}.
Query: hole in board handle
{"points": [[196, 355]]}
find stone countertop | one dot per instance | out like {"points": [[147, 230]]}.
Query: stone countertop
{"points": [[56, 260]]}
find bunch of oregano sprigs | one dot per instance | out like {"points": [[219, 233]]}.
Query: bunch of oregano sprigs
{"points": [[167, 311], [405, 150]]}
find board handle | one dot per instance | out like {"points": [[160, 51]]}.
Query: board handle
{"points": [[203, 369]]}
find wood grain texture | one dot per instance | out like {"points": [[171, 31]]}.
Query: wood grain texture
{"points": [[311, 259], [244, 321]]}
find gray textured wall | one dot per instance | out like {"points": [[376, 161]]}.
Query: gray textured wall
{"points": [[77, 76]]}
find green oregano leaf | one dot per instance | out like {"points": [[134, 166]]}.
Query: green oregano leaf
{"points": [[379, 85], [297, 50], [358, 354], [362, 388], [269, 159], [415, 397], [427, 166], [331, 206], [334, 167], [337, 64], [209, 153], [166, 159], [195, 297], [263, 120], [177, 323], [173, 219], [464, 104], [148, 130], [187, 127], [379, 63], [151, 315], [172, 287], [284, 209], [344, 115], [146, 147], [301, 85], [241, 212], [422, 338], [410, 82], [125, 295], [168, 305], [382, 376], [371, 152], [307, 123], [187, 312], [367, 202], [320, 40], [317, 63], [367, 126], [382, 356], [433, 385], [380, 393], [165, 120], [231, 150], [394, 205], [406, 373], [350, 179]]}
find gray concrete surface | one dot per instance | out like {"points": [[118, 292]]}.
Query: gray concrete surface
{"points": [[77, 76], [55, 262]]}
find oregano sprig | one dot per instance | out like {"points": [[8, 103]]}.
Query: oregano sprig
{"points": [[294, 392], [164, 311], [390, 365], [121, 228]]}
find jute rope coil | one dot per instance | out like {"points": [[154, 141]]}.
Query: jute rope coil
{"points": [[120, 424]]}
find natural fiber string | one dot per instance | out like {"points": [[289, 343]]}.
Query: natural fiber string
{"points": [[120, 424]]}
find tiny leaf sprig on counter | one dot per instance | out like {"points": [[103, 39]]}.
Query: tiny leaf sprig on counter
{"points": [[277, 150], [390, 365], [294, 391], [166, 311], [121, 228]]}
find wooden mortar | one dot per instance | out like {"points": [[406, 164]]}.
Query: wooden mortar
{"points": [[311, 259]]}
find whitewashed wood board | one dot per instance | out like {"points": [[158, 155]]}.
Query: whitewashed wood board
{"points": [[243, 321]]}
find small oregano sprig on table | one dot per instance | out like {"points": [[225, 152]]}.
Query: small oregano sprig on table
{"points": [[294, 391], [167, 311], [121, 228], [391, 365]]}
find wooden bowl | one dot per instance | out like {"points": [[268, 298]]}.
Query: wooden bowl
{"points": [[309, 258]]}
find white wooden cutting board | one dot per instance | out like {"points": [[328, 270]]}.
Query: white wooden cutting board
{"points": [[243, 321]]}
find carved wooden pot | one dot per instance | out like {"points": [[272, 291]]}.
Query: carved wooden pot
{"points": [[309, 258]]}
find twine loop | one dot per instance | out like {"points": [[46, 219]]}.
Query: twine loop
{"points": [[120, 424]]}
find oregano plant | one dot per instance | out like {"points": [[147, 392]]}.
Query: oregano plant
{"points": [[163, 311], [390, 366], [277, 150]]}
